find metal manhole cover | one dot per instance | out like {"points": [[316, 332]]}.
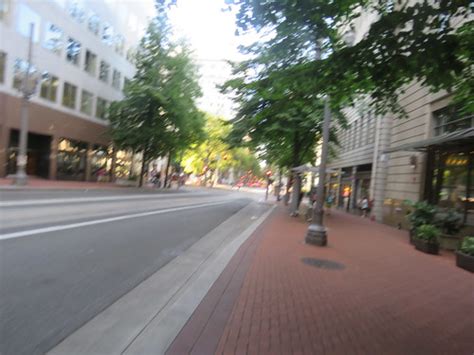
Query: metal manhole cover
{"points": [[323, 264]]}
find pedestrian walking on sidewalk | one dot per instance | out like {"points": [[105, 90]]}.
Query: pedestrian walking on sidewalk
{"points": [[329, 203], [364, 206]]}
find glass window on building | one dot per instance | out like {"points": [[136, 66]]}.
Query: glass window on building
{"points": [[116, 79], [25, 17], [93, 23], [53, 38], [3, 63], [90, 62], [449, 119], [101, 163], [119, 44], [49, 87], [86, 102], [71, 159], [69, 95], [104, 71], [4, 9], [101, 108], [108, 34], [73, 51], [77, 12], [19, 69], [452, 179]]}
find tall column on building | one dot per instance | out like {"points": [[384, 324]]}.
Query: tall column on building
{"points": [[379, 166], [53, 158], [4, 133], [353, 202], [339, 187]]}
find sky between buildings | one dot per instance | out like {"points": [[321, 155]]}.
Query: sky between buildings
{"points": [[211, 33]]}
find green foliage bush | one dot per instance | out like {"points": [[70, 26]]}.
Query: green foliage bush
{"points": [[428, 233], [467, 246], [423, 213]]}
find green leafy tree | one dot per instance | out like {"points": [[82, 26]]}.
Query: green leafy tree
{"points": [[158, 115], [428, 41], [214, 154]]}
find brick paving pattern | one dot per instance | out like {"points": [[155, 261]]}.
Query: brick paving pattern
{"points": [[388, 299]]}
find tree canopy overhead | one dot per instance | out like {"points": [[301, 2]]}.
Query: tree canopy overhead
{"points": [[431, 42]]}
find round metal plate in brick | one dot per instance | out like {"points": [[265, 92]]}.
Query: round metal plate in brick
{"points": [[323, 264]]}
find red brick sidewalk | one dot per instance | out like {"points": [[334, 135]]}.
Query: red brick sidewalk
{"points": [[388, 298]]}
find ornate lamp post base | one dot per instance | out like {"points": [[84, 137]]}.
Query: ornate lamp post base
{"points": [[316, 235]]}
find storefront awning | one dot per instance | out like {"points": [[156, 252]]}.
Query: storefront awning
{"points": [[464, 136]]}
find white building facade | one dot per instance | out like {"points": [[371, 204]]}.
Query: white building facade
{"points": [[83, 52]]}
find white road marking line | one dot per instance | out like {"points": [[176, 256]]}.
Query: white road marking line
{"points": [[89, 199], [101, 221]]}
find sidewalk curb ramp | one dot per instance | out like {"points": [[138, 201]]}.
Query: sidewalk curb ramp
{"points": [[148, 318]]}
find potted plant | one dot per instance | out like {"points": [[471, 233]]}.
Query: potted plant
{"points": [[426, 239], [422, 213], [450, 224], [465, 254]]}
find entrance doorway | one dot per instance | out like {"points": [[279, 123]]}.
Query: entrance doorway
{"points": [[38, 152]]}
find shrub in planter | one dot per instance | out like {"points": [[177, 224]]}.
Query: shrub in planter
{"points": [[465, 254], [422, 214], [426, 238], [450, 223]]}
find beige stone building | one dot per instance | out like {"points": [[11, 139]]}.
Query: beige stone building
{"points": [[427, 156]]}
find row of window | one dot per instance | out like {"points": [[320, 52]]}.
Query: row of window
{"points": [[54, 42], [450, 119], [48, 90], [54, 35], [361, 132]]}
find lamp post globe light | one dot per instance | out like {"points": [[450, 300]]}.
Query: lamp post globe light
{"points": [[29, 81]]}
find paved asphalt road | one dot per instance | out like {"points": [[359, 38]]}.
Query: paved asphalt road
{"points": [[64, 257]]}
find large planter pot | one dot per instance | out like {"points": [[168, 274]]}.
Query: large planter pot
{"points": [[449, 242], [428, 248], [465, 261]]}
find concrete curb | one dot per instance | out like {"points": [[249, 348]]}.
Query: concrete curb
{"points": [[148, 318]]}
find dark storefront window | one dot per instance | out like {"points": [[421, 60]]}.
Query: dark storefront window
{"points": [[72, 156], [452, 180]]}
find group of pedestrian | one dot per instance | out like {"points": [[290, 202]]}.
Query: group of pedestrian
{"points": [[155, 177]]}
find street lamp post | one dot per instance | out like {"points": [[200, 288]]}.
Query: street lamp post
{"points": [[28, 88], [317, 233]]}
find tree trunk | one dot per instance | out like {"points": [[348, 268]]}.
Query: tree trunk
{"points": [[142, 170], [279, 185], [165, 185], [295, 200], [289, 182]]}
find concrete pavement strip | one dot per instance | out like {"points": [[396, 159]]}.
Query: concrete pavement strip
{"points": [[40, 202], [148, 318]]}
